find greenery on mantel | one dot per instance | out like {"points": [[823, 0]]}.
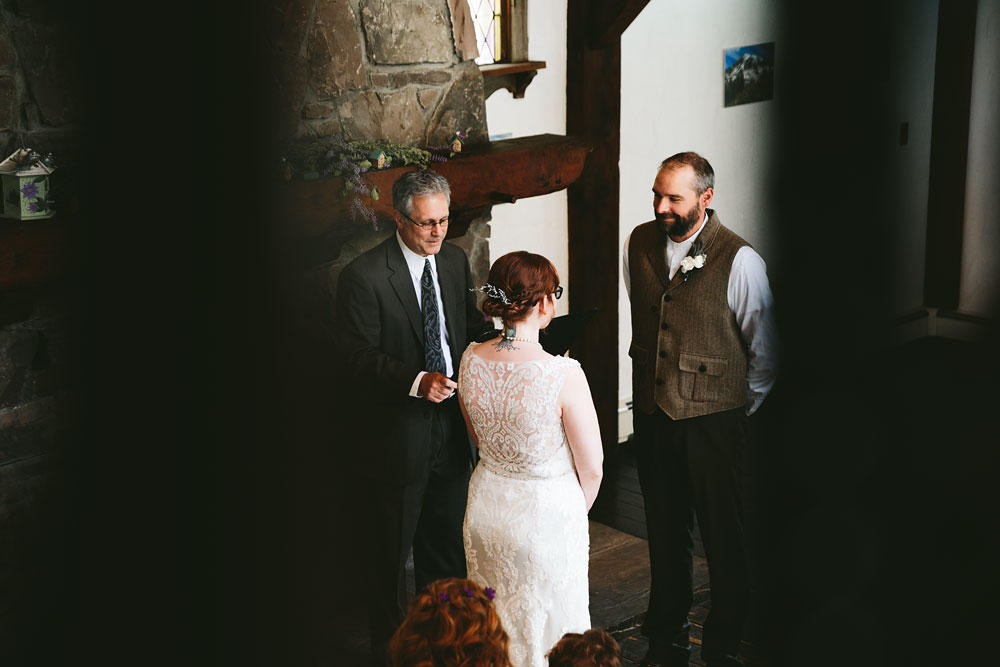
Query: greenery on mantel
{"points": [[333, 156]]}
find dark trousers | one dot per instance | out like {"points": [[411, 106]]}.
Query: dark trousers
{"points": [[687, 466], [426, 515]]}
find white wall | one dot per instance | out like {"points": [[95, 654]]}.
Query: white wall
{"points": [[537, 224], [911, 72], [672, 100], [980, 292]]}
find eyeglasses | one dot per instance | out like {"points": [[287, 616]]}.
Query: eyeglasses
{"points": [[559, 291], [429, 225]]}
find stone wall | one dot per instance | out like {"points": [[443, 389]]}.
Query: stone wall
{"points": [[43, 98], [43, 78], [374, 69]]}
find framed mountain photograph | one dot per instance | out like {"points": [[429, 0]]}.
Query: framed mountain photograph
{"points": [[748, 74]]}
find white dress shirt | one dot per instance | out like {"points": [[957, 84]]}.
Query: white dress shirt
{"points": [[415, 264], [749, 297]]}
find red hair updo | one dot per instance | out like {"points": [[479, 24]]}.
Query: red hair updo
{"points": [[525, 278], [594, 648], [451, 623]]}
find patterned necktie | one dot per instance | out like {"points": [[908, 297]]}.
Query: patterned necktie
{"points": [[432, 325]]}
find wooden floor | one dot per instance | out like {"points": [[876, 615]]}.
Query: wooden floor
{"points": [[619, 593]]}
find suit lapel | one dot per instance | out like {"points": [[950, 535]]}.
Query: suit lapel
{"points": [[402, 284], [657, 257]]}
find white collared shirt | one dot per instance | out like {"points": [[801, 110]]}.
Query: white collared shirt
{"points": [[415, 265], [749, 297]]}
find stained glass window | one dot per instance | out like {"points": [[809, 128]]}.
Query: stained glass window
{"points": [[489, 18]]}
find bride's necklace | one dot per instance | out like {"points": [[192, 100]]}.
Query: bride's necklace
{"points": [[523, 340]]}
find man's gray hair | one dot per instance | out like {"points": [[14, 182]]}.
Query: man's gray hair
{"points": [[704, 175], [419, 183]]}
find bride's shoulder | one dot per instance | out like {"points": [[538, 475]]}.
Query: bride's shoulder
{"points": [[566, 364]]}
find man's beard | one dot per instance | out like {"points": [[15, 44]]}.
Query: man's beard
{"points": [[680, 226]]}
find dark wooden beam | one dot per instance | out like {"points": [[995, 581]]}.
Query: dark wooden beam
{"points": [[514, 168], [608, 20], [34, 252], [956, 39], [593, 100]]}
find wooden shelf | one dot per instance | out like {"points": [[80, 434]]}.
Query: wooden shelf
{"points": [[33, 252], [480, 176], [515, 77]]}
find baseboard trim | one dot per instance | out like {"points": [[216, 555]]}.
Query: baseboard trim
{"points": [[938, 323]]}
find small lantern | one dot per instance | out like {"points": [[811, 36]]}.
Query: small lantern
{"points": [[25, 176], [377, 158], [456, 142]]}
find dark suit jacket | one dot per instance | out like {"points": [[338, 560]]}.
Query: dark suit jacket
{"points": [[381, 340]]}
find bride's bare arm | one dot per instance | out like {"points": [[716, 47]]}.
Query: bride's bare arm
{"points": [[583, 432], [468, 422]]}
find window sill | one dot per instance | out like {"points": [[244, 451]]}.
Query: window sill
{"points": [[515, 77]]}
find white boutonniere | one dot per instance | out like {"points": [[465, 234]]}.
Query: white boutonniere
{"points": [[695, 259]]}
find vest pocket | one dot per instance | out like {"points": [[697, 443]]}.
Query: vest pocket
{"points": [[701, 377]]}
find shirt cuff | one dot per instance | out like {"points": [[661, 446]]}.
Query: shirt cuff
{"points": [[754, 399], [415, 387]]}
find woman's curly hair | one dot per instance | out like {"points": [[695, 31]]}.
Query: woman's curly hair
{"points": [[594, 648], [525, 278], [451, 623]]}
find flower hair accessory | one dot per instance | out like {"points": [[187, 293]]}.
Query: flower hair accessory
{"points": [[445, 598], [492, 292], [695, 259]]}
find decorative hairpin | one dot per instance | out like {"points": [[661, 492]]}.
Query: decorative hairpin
{"points": [[492, 292]]}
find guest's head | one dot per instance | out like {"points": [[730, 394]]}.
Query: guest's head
{"points": [[683, 189], [594, 648], [524, 279], [421, 199], [451, 623]]}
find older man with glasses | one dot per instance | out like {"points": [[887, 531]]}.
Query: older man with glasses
{"points": [[405, 313]]}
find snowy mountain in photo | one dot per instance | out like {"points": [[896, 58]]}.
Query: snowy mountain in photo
{"points": [[748, 69]]}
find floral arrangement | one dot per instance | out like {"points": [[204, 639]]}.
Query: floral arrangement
{"points": [[695, 259], [350, 160]]}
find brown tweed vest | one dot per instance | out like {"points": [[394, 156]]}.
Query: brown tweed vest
{"points": [[688, 356]]}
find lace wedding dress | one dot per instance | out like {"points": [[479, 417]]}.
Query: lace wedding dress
{"points": [[526, 531]]}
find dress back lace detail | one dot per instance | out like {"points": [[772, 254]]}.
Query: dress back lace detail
{"points": [[512, 406]]}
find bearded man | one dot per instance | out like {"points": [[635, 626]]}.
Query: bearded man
{"points": [[702, 362]]}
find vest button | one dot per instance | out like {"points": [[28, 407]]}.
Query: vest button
{"points": [[702, 369], [652, 309], [664, 325], [663, 355], [667, 297], [659, 382]]}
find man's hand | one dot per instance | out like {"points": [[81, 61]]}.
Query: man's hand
{"points": [[436, 387]]}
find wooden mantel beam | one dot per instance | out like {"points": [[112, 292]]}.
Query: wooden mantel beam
{"points": [[608, 20], [480, 176]]}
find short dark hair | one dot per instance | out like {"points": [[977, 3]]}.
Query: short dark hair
{"points": [[419, 183], [704, 175], [594, 648]]}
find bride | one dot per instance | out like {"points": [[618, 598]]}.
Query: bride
{"points": [[532, 417]]}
